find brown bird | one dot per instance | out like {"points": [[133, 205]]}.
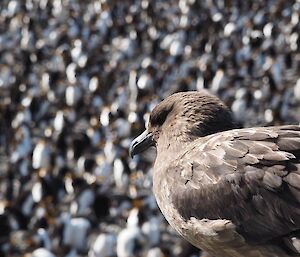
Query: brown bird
{"points": [[231, 192]]}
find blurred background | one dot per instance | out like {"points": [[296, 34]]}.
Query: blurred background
{"points": [[77, 82]]}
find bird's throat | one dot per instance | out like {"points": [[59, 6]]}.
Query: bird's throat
{"points": [[168, 149]]}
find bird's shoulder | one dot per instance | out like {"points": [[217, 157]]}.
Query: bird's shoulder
{"points": [[261, 153]]}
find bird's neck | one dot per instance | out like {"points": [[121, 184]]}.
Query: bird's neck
{"points": [[168, 147]]}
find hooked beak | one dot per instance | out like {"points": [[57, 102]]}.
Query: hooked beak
{"points": [[141, 143]]}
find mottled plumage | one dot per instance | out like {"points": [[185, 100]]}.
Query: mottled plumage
{"points": [[232, 192]]}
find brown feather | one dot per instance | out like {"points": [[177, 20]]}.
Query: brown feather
{"points": [[233, 192]]}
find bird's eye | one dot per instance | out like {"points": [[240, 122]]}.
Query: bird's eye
{"points": [[158, 117]]}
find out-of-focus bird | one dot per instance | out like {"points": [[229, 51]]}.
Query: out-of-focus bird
{"points": [[131, 237], [75, 232], [41, 155], [151, 229], [42, 252], [104, 245]]}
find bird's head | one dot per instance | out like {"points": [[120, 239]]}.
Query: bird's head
{"points": [[183, 117]]}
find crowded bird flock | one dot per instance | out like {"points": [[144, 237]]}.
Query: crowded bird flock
{"points": [[78, 80]]}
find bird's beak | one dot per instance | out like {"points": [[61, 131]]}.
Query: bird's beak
{"points": [[141, 143]]}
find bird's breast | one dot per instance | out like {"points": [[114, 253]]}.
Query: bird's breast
{"points": [[218, 237]]}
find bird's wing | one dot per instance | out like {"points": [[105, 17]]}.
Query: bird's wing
{"points": [[249, 176]]}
